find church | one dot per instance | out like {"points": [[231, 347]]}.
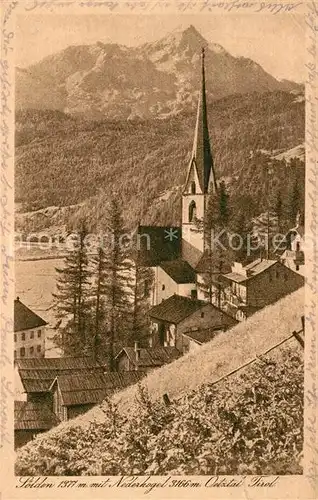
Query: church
{"points": [[180, 258], [176, 253]]}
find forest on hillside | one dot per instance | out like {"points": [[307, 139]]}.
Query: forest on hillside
{"points": [[62, 160]]}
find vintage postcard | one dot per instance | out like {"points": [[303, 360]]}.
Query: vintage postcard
{"points": [[159, 184]]}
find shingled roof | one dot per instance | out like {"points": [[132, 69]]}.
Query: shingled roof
{"points": [[94, 387], [179, 270], [151, 357], [176, 308], [33, 416], [38, 374], [24, 318], [205, 335]]}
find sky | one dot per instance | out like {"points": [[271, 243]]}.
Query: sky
{"points": [[277, 43]]}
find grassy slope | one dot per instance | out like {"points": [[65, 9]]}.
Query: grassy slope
{"points": [[206, 399]]}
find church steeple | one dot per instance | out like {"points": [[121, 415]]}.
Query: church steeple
{"points": [[200, 180], [201, 158]]}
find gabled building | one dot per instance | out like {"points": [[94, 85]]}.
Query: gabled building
{"points": [[174, 277], [29, 332], [177, 315], [254, 286], [31, 419], [58, 389], [145, 359], [37, 375], [195, 338], [74, 394]]}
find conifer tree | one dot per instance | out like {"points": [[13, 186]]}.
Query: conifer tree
{"points": [[143, 282], [217, 256], [293, 202], [100, 275], [71, 300], [115, 287]]}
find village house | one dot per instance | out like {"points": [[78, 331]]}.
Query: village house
{"points": [[58, 389], [254, 286], [31, 419], [174, 277], [74, 394], [177, 315], [196, 337], [145, 359], [29, 332]]}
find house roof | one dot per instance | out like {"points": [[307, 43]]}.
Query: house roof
{"points": [[253, 269], [67, 363], [179, 270], [205, 335], [152, 356], [94, 387], [38, 374], [33, 416], [24, 318], [41, 380], [158, 244], [176, 308]]}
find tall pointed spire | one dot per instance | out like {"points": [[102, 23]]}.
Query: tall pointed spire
{"points": [[201, 154]]}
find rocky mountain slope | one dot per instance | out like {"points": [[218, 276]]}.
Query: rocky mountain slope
{"points": [[153, 80]]}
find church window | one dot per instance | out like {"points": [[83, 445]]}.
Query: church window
{"points": [[192, 211], [202, 314], [193, 187], [163, 287]]}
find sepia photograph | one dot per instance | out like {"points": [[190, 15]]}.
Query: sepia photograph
{"points": [[159, 248]]}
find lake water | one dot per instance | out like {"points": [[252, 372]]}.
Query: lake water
{"points": [[35, 283]]}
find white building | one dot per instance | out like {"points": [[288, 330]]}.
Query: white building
{"points": [[29, 332]]}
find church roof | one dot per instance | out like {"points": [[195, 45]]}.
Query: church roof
{"points": [[201, 157], [179, 270], [190, 254], [156, 244], [24, 318]]}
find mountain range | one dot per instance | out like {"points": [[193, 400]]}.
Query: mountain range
{"points": [[153, 80]]}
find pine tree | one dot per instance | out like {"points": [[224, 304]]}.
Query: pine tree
{"points": [[72, 299], [143, 283], [217, 256], [116, 282], [99, 268], [294, 205]]}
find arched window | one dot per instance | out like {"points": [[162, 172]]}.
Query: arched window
{"points": [[193, 187], [192, 211]]}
